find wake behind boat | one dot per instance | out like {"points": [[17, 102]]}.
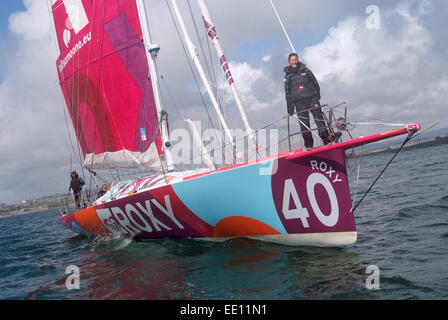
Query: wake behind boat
{"points": [[108, 75]]}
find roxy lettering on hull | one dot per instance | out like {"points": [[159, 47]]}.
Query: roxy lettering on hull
{"points": [[327, 169], [148, 216]]}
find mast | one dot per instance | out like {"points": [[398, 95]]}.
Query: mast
{"points": [[195, 57], [153, 51], [210, 27]]}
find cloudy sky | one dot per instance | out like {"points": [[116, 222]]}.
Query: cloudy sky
{"points": [[397, 72]]}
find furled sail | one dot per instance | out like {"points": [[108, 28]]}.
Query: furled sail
{"points": [[104, 76]]}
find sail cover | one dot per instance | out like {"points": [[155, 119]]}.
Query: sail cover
{"points": [[104, 76]]}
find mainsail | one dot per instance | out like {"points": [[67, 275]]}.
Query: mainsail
{"points": [[105, 79]]}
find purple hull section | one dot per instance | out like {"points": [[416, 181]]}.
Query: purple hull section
{"points": [[311, 194]]}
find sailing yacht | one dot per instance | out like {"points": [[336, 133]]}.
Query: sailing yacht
{"points": [[108, 76]]}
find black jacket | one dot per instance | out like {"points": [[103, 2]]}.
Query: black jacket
{"points": [[76, 184], [100, 194], [300, 83]]}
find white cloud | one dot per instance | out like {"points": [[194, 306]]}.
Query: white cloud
{"points": [[267, 58], [338, 55], [390, 74], [32, 132], [256, 88], [33, 23]]}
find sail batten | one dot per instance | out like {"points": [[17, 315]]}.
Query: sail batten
{"points": [[106, 83]]}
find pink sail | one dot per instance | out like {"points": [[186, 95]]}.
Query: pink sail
{"points": [[105, 80]]}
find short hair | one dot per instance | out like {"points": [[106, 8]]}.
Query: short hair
{"points": [[292, 55]]}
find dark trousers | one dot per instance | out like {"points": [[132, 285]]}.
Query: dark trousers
{"points": [[78, 199], [302, 107]]}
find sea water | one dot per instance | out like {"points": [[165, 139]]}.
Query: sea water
{"points": [[401, 251]]}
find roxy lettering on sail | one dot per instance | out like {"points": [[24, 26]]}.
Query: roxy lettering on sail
{"points": [[149, 216]]}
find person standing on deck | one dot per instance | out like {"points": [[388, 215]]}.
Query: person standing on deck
{"points": [[302, 95], [76, 184]]}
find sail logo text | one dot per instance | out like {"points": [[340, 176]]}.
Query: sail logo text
{"points": [[81, 43], [140, 217], [77, 16]]}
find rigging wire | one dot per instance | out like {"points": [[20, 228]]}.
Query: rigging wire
{"points": [[357, 165], [54, 41], [356, 188], [208, 63], [79, 123], [408, 138], [210, 78], [194, 76], [176, 106], [172, 99], [85, 99], [283, 27], [266, 126], [189, 63], [160, 117], [371, 118], [212, 62], [378, 123], [76, 153]]}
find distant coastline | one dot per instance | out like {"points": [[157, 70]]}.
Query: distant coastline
{"points": [[45, 203], [413, 144], [22, 212]]}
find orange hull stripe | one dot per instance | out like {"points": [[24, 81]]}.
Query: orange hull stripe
{"points": [[241, 226], [89, 221]]}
